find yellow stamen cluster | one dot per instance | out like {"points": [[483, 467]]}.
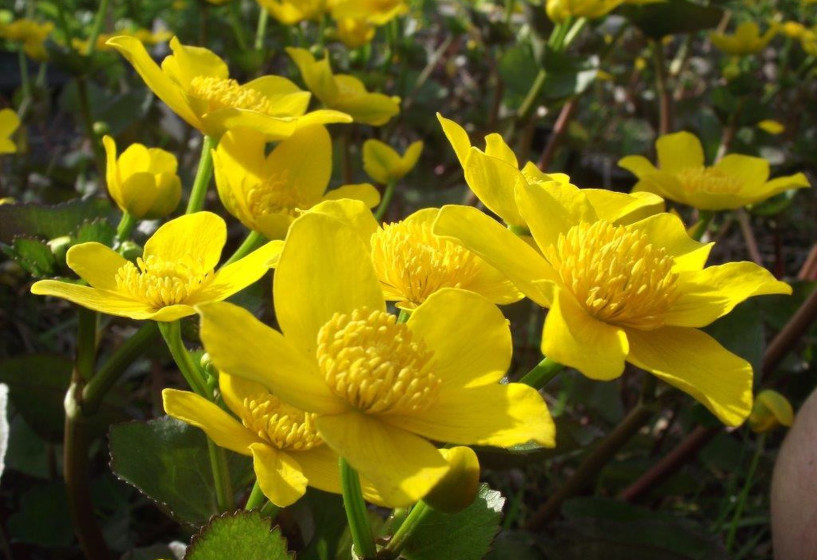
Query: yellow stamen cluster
{"points": [[274, 195], [412, 263], [373, 362], [282, 425], [161, 283], [708, 180], [220, 93], [615, 273]]}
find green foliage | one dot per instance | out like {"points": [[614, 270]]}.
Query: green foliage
{"points": [[240, 534], [49, 221], [671, 17], [33, 255]]}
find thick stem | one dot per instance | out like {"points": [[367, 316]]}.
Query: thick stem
{"points": [[125, 227], [542, 374], [356, 513], [235, 23], [388, 194], [203, 175], [98, 21], [750, 477], [221, 477], [664, 97], [253, 240], [261, 29], [25, 85], [592, 464], [403, 535], [256, 498]]}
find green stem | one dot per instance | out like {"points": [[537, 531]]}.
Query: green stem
{"points": [[235, 23], [403, 535], [203, 175], [98, 21], [125, 227], [403, 316], [86, 346], [221, 477], [573, 32], [106, 376], [25, 84], [704, 219], [388, 194], [744, 494], [510, 7], [172, 333], [542, 374], [256, 498], [253, 240], [356, 511], [261, 29], [270, 510]]}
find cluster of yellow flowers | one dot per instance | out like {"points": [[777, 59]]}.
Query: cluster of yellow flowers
{"points": [[343, 377]]}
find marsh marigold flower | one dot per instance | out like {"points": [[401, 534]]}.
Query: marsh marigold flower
{"points": [[353, 32], [621, 290], [770, 411], [291, 12], [175, 272], [267, 192], [379, 389], [195, 83], [9, 123], [746, 39], [412, 263], [343, 92], [374, 12], [383, 164], [734, 181], [30, 34], [142, 181]]}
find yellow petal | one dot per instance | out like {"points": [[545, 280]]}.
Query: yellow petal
{"points": [[497, 414], [401, 466], [306, 159], [780, 184], [495, 146], [457, 137], [678, 151], [320, 467], [325, 268], [620, 208], [573, 338], [375, 109], [457, 489], [506, 252], [668, 231], [751, 172], [104, 301], [637, 165], [698, 365], [235, 389], [285, 98], [241, 345], [551, 209], [317, 75], [412, 155], [363, 192], [138, 194], [202, 234], [96, 264], [380, 161], [188, 61], [466, 353], [663, 184], [279, 475], [494, 181], [354, 212], [272, 127], [168, 91], [236, 276], [111, 174], [223, 429]]}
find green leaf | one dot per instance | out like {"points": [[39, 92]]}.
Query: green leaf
{"points": [[168, 461], [43, 517], [742, 332], [671, 17], [240, 534], [329, 520], [614, 530], [568, 76], [33, 255], [99, 230], [466, 535], [49, 221]]}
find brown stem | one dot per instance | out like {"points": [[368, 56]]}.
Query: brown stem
{"points": [[809, 269], [749, 236], [559, 131], [664, 97], [787, 338]]}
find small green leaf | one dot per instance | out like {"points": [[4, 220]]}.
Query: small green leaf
{"points": [[466, 535], [49, 221], [568, 76], [168, 461], [742, 332], [33, 255], [240, 534], [99, 230], [671, 17]]}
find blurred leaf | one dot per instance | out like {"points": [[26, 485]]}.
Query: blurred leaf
{"points": [[741, 332], [613, 530], [329, 520], [518, 70], [98, 230], [466, 535], [516, 545], [168, 461], [672, 17], [778, 309], [49, 221], [43, 517], [774, 205], [240, 534], [26, 452], [33, 255], [568, 76]]}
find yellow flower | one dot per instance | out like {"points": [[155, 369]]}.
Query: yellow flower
{"points": [[493, 174], [793, 29], [735, 181], [412, 263], [379, 389], [142, 181], [175, 273], [344, 92], [374, 12], [560, 10], [9, 123], [771, 410], [291, 12], [196, 84], [267, 192], [144, 35], [354, 33], [30, 34], [746, 39], [458, 488], [383, 164], [619, 289], [771, 126]]}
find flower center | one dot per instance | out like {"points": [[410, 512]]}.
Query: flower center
{"points": [[220, 93], [708, 180], [373, 362], [275, 195], [412, 263], [616, 273], [161, 283], [282, 425]]}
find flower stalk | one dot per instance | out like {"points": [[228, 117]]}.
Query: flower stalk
{"points": [[251, 242], [404, 533], [356, 514], [203, 175], [542, 374], [744, 494], [388, 194]]}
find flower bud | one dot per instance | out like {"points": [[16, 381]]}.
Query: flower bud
{"points": [[59, 247], [142, 181], [130, 250], [383, 164], [458, 488], [771, 409]]}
